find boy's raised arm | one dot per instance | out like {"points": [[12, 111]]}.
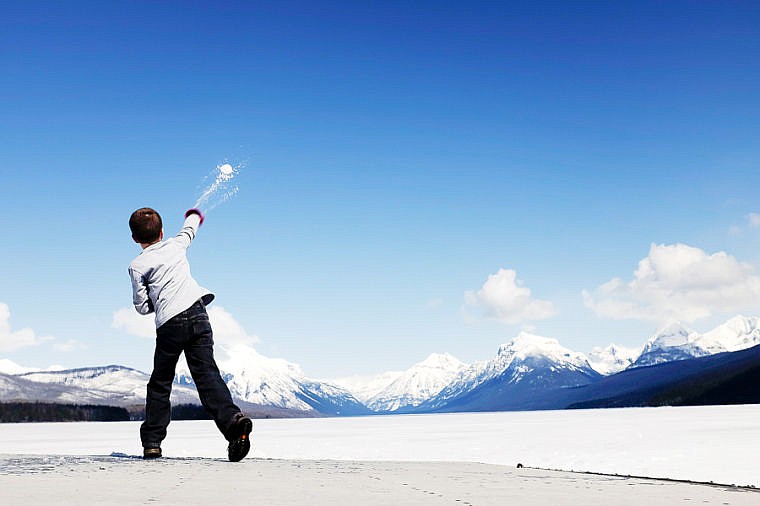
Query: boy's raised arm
{"points": [[193, 220]]}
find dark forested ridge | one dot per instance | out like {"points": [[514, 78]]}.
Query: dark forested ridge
{"points": [[50, 412], [724, 378], [737, 386], [15, 412]]}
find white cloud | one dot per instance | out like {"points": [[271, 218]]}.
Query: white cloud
{"points": [[503, 297], [678, 282], [133, 323], [753, 220], [227, 330], [11, 340]]}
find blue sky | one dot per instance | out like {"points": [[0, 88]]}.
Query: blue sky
{"points": [[397, 155]]}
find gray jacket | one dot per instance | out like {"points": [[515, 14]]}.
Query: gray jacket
{"points": [[161, 279]]}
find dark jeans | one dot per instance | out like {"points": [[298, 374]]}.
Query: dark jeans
{"points": [[189, 331]]}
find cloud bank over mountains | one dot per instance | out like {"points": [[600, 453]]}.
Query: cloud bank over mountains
{"points": [[673, 282], [678, 282]]}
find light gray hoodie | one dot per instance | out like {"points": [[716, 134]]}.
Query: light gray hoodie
{"points": [[161, 279]]}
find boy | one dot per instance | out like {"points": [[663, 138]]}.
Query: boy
{"points": [[162, 284]]}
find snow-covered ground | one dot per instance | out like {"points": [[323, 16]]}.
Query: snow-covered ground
{"points": [[719, 444]]}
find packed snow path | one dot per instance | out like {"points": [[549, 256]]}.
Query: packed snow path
{"points": [[130, 480]]}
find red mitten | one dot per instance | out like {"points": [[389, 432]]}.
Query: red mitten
{"points": [[195, 211]]}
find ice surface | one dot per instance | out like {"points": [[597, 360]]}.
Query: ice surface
{"points": [[719, 443]]}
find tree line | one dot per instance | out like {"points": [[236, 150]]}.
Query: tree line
{"points": [[19, 412], [15, 412]]}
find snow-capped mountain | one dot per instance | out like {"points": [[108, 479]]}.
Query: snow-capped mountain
{"points": [[612, 359], [366, 387], [677, 342], [419, 383], [252, 379], [257, 379], [526, 364], [672, 342], [114, 385], [13, 388], [530, 372], [738, 333]]}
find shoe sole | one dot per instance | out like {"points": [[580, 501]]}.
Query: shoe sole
{"points": [[152, 455], [240, 447]]}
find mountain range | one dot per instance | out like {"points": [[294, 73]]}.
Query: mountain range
{"points": [[675, 365]]}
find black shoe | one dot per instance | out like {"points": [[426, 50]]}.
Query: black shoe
{"points": [[151, 453], [239, 438]]}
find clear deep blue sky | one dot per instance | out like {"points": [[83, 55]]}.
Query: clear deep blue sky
{"points": [[398, 154]]}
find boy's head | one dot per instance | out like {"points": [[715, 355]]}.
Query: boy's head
{"points": [[146, 226]]}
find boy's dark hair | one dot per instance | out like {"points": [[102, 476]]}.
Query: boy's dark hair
{"points": [[146, 225]]}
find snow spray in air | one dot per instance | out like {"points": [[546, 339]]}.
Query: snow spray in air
{"points": [[221, 188]]}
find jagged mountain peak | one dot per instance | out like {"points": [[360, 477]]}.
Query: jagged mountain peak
{"points": [[366, 387], [738, 333], [614, 358], [254, 378], [243, 359], [418, 383], [673, 341], [440, 360], [741, 322], [526, 344], [526, 364], [672, 333]]}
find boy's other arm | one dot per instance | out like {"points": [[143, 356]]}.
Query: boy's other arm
{"points": [[193, 221], [140, 299]]}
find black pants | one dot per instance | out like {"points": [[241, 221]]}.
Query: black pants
{"points": [[189, 331]]}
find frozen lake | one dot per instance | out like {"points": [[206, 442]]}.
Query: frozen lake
{"points": [[718, 444]]}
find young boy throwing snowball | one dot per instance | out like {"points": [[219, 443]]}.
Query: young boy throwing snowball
{"points": [[162, 284]]}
